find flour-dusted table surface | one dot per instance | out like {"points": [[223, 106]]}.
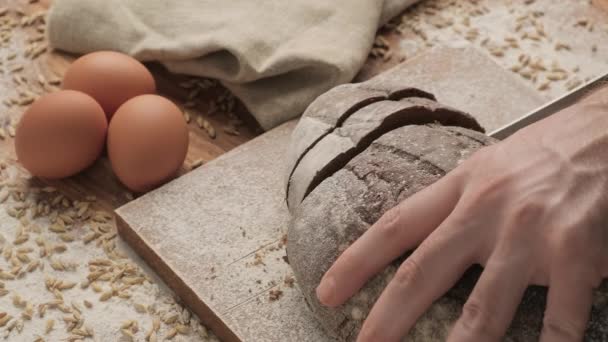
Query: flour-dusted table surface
{"points": [[580, 28]]}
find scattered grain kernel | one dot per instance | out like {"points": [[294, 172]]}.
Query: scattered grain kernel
{"points": [[106, 295], [570, 85], [4, 320], [197, 163], [140, 308], [171, 334], [182, 329], [16, 68], [544, 86], [170, 318]]}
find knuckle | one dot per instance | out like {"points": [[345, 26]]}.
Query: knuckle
{"points": [[388, 225], [575, 237], [472, 315], [528, 212], [564, 329], [476, 320], [492, 188], [573, 242], [409, 273]]}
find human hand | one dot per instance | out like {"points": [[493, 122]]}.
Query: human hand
{"points": [[532, 209]]}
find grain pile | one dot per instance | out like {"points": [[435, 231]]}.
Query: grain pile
{"points": [[554, 46], [65, 276], [23, 91]]}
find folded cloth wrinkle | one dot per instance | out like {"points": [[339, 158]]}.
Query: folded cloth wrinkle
{"points": [[275, 56]]}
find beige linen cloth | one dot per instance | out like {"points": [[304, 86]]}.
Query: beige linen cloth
{"points": [[276, 56]]}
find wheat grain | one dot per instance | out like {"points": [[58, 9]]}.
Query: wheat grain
{"points": [[544, 86], [16, 68], [182, 329], [4, 320], [171, 334], [106, 296], [197, 163], [570, 85]]}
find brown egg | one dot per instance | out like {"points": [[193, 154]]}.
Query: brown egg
{"points": [[147, 142], [111, 78], [61, 134]]}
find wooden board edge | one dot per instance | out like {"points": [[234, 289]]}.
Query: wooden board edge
{"points": [[174, 282]]}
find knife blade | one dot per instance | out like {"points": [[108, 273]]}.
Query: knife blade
{"points": [[550, 108]]}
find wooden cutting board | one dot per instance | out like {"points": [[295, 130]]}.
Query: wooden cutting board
{"points": [[216, 235]]}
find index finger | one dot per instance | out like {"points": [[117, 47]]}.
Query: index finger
{"points": [[398, 230]]}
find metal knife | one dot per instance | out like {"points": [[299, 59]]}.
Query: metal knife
{"points": [[550, 108]]}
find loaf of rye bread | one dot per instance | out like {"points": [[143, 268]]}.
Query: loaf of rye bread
{"points": [[354, 157]]}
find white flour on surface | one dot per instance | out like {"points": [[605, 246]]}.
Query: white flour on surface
{"points": [[141, 303], [562, 43]]}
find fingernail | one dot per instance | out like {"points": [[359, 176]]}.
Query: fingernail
{"points": [[325, 290]]}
